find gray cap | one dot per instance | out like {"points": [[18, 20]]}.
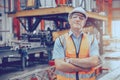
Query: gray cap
{"points": [[78, 10]]}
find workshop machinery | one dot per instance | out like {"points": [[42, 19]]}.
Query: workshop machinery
{"points": [[34, 15]]}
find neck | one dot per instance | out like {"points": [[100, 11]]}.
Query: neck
{"points": [[77, 32]]}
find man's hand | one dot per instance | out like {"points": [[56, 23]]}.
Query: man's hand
{"points": [[85, 63]]}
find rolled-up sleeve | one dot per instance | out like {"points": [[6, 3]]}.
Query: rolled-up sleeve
{"points": [[58, 50]]}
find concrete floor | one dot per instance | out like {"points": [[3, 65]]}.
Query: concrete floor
{"points": [[111, 62]]}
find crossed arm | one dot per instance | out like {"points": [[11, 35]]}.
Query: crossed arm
{"points": [[77, 64]]}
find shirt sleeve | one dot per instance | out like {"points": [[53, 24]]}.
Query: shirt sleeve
{"points": [[94, 48], [58, 50]]}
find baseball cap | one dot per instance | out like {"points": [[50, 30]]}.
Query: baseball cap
{"points": [[78, 10]]}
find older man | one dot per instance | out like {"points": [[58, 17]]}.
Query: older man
{"points": [[76, 53]]}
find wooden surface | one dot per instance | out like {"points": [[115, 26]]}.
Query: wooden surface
{"points": [[52, 11], [41, 11]]}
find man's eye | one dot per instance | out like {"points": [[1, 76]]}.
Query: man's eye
{"points": [[81, 18]]}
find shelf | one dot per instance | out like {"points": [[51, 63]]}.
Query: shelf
{"points": [[41, 11], [97, 16], [52, 11]]}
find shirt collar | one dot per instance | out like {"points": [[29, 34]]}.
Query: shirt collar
{"points": [[71, 33]]}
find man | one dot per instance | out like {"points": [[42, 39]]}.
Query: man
{"points": [[75, 53]]}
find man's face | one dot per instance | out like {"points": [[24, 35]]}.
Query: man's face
{"points": [[77, 21]]}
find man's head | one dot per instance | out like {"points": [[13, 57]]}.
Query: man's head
{"points": [[77, 18]]}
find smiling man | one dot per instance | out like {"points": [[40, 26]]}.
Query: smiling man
{"points": [[76, 53]]}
